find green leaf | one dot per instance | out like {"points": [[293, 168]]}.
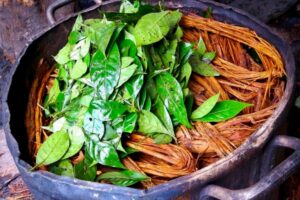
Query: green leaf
{"points": [[128, 7], [205, 107], [117, 124], [201, 48], [170, 93], [92, 124], [76, 136], [85, 47], [185, 74], [141, 100], [62, 73], [162, 113], [202, 68], [132, 17], [63, 55], [106, 110], [129, 36], [63, 167], [123, 178], [100, 32], [168, 54], [78, 23], [53, 149], [155, 57], [85, 170], [128, 151], [128, 48], [58, 124], [189, 101], [178, 33], [224, 110], [126, 61], [134, 85], [208, 13], [151, 88], [126, 71], [75, 91], [75, 53], [78, 69], [200, 60], [86, 100], [110, 133], [75, 112], [209, 56], [74, 37], [185, 51], [117, 143], [53, 93], [103, 153], [105, 72], [149, 123], [297, 102], [148, 104], [130, 122], [61, 100], [162, 139], [153, 27]]}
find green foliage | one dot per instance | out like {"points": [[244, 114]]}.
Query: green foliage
{"points": [[153, 27], [124, 73], [205, 108], [53, 149], [201, 60], [103, 153], [123, 178], [170, 92], [85, 170], [224, 110], [62, 167]]}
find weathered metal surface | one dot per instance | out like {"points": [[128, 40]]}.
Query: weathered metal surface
{"points": [[11, 183], [41, 182], [272, 178], [264, 10], [17, 25]]}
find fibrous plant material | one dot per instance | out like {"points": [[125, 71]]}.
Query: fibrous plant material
{"points": [[241, 78], [165, 160]]}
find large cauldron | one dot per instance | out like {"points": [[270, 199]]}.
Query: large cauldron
{"points": [[45, 185]]}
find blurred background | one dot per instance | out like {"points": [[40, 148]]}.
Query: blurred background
{"points": [[20, 20]]}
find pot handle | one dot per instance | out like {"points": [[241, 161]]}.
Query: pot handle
{"points": [[60, 3], [277, 176]]}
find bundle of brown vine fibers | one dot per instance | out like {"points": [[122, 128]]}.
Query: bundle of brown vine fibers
{"points": [[257, 80], [241, 77]]}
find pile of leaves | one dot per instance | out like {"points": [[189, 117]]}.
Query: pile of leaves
{"points": [[126, 72]]}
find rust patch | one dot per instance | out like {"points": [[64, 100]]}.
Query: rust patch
{"points": [[16, 190], [27, 3]]}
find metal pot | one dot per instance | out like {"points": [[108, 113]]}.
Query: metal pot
{"points": [[45, 185]]}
